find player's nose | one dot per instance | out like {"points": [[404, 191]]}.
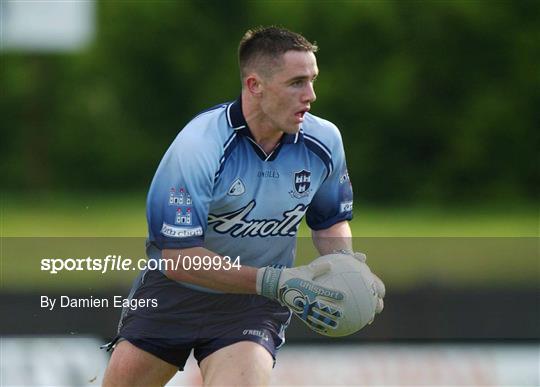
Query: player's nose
{"points": [[309, 95]]}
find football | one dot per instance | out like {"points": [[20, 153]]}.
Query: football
{"points": [[355, 280]]}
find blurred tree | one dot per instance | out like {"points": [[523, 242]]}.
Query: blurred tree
{"points": [[436, 101]]}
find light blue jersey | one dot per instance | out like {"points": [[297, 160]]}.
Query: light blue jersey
{"points": [[216, 188]]}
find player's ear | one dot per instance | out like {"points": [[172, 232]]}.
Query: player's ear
{"points": [[253, 84]]}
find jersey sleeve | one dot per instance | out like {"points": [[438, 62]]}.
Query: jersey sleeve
{"points": [[181, 191], [333, 201]]}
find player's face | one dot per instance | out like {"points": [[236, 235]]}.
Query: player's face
{"points": [[288, 93]]}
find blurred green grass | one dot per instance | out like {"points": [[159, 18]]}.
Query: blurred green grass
{"points": [[474, 246], [117, 215]]}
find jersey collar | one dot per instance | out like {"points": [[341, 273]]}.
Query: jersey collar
{"points": [[237, 121]]}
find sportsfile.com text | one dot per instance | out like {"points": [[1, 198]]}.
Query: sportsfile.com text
{"points": [[118, 263]]}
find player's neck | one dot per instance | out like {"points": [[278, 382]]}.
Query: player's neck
{"points": [[264, 133]]}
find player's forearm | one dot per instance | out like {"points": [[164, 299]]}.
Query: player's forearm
{"points": [[218, 277], [336, 237]]}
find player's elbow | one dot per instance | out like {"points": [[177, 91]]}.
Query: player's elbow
{"points": [[182, 274], [171, 265], [176, 275]]}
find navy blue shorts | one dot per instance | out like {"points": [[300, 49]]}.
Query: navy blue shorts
{"points": [[186, 319]]}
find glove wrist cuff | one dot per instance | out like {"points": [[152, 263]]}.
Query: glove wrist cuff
{"points": [[343, 251], [356, 255], [268, 281]]}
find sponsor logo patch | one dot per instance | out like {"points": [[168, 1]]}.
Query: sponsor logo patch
{"points": [[346, 206], [237, 224], [180, 232], [343, 178]]}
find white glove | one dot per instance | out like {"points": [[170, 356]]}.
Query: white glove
{"points": [[295, 288]]}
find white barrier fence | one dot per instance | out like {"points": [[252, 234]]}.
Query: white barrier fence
{"points": [[61, 361]]}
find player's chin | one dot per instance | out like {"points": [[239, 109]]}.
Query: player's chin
{"points": [[293, 128]]}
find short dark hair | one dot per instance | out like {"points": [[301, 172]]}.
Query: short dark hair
{"points": [[269, 44]]}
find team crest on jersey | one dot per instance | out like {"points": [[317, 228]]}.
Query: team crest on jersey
{"points": [[179, 197], [302, 182], [237, 188], [183, 216]]}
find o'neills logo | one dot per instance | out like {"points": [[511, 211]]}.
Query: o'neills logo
{"points": [[236, 224]]}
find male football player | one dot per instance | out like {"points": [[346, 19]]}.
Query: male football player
{"points": [[233, 187]]}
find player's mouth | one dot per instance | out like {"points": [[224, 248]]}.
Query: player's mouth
{"points": [[300, 114]]}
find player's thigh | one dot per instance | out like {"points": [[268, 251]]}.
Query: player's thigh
{"points": [[239, 364], [131, 366]]}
